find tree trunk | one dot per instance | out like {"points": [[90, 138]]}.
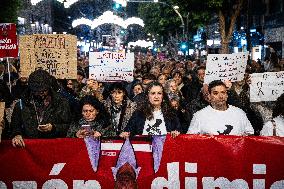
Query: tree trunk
{"points": [[227, 34]]}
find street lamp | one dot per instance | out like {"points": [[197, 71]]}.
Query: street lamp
{"points": [[164, 3], [176, 8], [181, 18]]}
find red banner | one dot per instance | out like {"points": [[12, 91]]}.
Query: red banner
{"points": [[8, 40], [189, 161]]}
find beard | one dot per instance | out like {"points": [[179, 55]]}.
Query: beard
{"points": [[40, 98]]}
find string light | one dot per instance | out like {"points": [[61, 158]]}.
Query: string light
{"points": [[141, 43], [67, 3], [108, 18]]}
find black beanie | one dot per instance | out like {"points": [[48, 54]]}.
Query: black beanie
{"points": [[39, 80]]}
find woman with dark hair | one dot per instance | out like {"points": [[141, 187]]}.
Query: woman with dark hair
{"points": [[120, 108], [136, 89], [155, 116], [94, 120], [275, 127]]}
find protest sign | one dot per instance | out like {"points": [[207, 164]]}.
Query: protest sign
{"points": [[8, 40], [266, 86], [225, 67], [2, 110], [111, 66], [55, 53]]}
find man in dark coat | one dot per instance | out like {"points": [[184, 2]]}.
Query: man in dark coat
{"points": [[41, 112]]}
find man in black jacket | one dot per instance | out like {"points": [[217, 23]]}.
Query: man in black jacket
{"points": [[41, 112]]}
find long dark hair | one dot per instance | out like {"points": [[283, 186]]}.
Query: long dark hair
{"points": [[147, 108]]}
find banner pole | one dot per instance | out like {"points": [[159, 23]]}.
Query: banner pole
{"points": [[9, 78]]}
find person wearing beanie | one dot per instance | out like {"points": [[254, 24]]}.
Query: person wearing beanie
{"points": [[41, 112]]}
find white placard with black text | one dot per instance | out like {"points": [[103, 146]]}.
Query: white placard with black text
{"points": [[111, 66], [266, 86], [225, 67]]}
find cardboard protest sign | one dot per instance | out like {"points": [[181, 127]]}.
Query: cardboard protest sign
{"points": [[55, 53], [2, 109], [111, 66], [8, 40], [225, 67], [266, 86]]}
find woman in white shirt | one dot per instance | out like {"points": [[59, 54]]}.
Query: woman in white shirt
{"points": [[154, 117], [275, 127]]}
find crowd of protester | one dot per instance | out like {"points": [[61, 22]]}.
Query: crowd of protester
{"points": [[167, 95]]}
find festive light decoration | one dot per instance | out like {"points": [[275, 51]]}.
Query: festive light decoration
{"points": [[122, 2], [34, 2], [108, 18], [141, 43], [67, 3]]}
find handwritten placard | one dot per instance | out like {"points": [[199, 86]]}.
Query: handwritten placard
{"points": [[8, 40], [111, 66], [225, 67], [2, 109], [266, 86], [55, 53]]}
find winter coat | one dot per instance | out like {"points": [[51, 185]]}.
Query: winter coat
{"points": [[25, 122], [123, 119], [137, 121]]}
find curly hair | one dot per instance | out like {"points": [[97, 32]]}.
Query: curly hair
{"points": [[279, 106], [126, 178], [147, 108]]}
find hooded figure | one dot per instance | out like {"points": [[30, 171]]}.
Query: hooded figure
{"points": [[41, 112]]}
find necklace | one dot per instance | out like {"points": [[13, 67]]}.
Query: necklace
{"points": [[38, 117]]}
